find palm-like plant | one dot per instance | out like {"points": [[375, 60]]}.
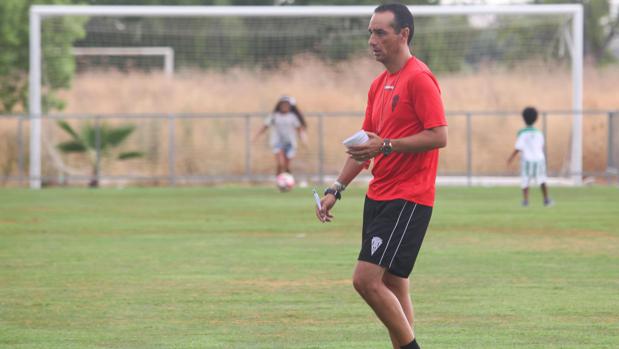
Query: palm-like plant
{"points": [[97, 142]]}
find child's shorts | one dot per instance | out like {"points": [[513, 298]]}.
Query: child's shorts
{"points": [[289, 150], [532, 170]]}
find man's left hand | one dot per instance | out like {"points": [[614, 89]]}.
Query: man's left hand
{"points": [[367, 150]]}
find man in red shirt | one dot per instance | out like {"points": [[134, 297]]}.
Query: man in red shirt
{"points": [[405, 123]]}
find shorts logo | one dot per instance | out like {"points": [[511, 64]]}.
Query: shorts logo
{"points": [[376, 242]]}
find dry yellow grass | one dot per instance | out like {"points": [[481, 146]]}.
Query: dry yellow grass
{"points": [[319, 88], [215, 146], [327, 88]]}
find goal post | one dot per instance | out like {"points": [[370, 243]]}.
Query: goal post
{"points": [[40, 12], [166, 52]]}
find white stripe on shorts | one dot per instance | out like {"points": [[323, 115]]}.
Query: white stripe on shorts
{"points": [[390, 236], [532, 171], [402, 238]]}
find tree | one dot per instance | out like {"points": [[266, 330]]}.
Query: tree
{"points": [[600, 27], [328, 38], [93, 140], [14, 54]]}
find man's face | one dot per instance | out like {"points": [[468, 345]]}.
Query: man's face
{"points": [[384, 41]]}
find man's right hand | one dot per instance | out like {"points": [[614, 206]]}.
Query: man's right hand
{"points": [[326, 203]]}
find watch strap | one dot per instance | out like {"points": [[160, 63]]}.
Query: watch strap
{"points": [[334, 192]]}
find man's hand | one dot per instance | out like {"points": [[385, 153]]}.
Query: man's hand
{"points": [[368, 150], [326, 203]]}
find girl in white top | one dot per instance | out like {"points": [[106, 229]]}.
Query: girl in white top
{"points": [[530, 145], [285, 123]]}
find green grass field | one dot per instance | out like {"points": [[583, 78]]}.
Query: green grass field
{"points": [[239, 267]]}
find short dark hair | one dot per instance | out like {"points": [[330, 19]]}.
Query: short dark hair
{"points": [[403, 18], [529, 114]]}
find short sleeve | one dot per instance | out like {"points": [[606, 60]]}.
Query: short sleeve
{"points": [[367, 122], [427, 102], [519, 143], [268, 121], [542, 140], [296, 122]]}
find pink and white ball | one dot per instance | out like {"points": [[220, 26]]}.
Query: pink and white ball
{"points": [[284, 181]]}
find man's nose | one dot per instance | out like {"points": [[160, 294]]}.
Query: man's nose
{"points": [[372, 40]]}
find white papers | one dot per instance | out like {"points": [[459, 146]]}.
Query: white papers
{"points": [[317, 199], [357, 139]]}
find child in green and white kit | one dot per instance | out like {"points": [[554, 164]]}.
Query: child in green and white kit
{"points": [[530, 145]]}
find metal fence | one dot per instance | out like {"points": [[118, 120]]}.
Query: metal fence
{"points": [[212, 148]]}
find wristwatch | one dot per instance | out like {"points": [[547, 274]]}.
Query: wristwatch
{"points": [[386, 148], [333, 192]]}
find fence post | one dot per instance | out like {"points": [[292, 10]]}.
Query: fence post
{"points": [[611, 140], [469, 151], [95, 181], [247, 147], [321, 149], [20, 149], [545, 132], [171, 150], [610, 161]]}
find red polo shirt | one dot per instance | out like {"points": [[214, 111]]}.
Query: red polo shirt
{"points": [[400, 105]]}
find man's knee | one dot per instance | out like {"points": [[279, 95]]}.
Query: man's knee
{"points": [[366, 286], [357, 284]]}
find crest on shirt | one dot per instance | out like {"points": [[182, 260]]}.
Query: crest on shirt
{"points": [[394, 102]]}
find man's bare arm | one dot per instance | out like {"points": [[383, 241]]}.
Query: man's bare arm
{"points": [[423, 141]]}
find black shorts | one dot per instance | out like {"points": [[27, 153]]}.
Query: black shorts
{"points": [[392, 234]]}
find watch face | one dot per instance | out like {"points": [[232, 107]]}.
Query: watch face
{"points": [[386, 148]]}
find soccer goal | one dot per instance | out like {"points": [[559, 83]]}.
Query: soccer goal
{"points": [[166, 52], [468, 47]]}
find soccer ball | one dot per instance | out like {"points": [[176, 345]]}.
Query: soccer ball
{"points": [[284, 181]]}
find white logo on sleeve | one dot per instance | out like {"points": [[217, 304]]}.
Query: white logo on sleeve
{"points": [[376, 242]]}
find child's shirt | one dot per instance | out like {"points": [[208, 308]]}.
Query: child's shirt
{"points": [[283, 128], [530, 143]]}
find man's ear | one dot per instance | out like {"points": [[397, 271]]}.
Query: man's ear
{"points": [[407, 31]]}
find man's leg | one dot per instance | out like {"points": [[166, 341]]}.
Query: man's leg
{"points": [[368, 281], [400, 288]]}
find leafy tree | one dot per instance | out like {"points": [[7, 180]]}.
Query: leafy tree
{"points": [[86, 142], [14, 53], [600, 27], [443, 42], [328, 38]]}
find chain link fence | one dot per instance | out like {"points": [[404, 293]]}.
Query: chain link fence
{"points": [[180, 149]]}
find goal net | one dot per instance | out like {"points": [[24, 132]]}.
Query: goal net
{"points": [[197, 82]]}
